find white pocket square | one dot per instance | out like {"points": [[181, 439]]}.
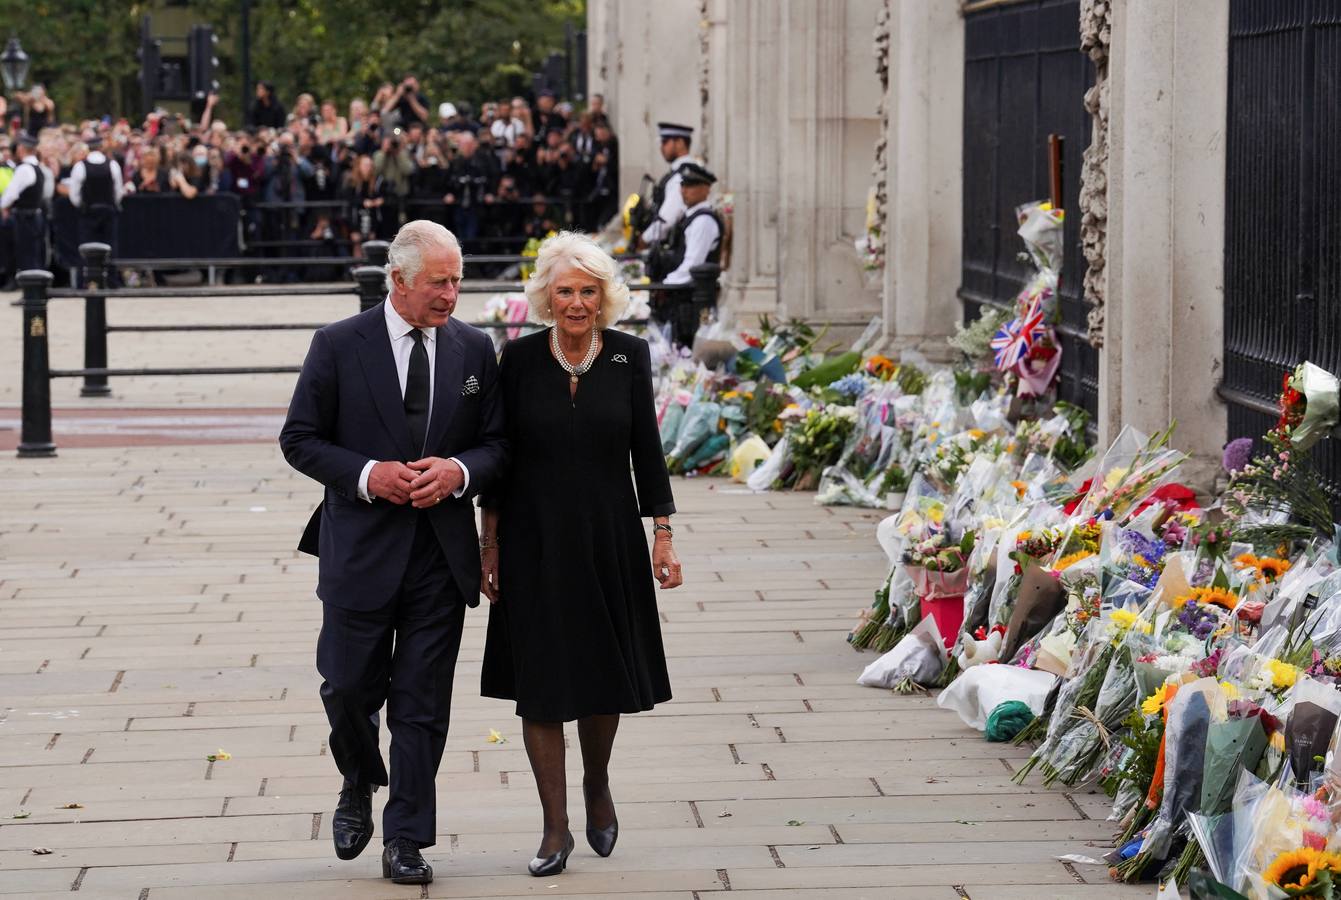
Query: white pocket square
{"points": [[472, 386]]}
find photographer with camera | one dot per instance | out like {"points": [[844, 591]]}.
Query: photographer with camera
{"points": [[473, 180], [394, 169], [407, 103]]}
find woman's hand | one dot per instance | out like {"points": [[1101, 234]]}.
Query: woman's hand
{"points": [[489, 573], [665, 564]]}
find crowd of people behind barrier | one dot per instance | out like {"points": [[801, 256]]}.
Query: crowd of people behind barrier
{"points": [[314, 181]]}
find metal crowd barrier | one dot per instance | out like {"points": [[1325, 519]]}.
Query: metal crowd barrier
{"points": [[369, 286]]}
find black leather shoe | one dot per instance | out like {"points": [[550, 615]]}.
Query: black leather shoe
{"points": [[352, 824], [553, 864], [403, 864], [602, 840]]}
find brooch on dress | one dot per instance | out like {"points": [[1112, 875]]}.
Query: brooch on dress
{"points": [[619, 357]]}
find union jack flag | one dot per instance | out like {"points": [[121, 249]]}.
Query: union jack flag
{"points": [[1014, 339]]}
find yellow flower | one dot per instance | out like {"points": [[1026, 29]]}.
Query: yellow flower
{"points": [[1297, 868], [1230, 689], [1216, 597], [1020, 488], [1023, 536], [1114, 477], [1278, 740], [1125, 619], [730, 395], [1070, 560], [1271, 569], [1156, 701], [1180, 601], [1141, 561], [1245, 561], [1283, 675], [977, 433], [496, 738]]}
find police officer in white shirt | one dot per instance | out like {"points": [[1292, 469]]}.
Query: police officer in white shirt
{"points": [[696, 239], [96, 190], [675, 142], [25, 202]]}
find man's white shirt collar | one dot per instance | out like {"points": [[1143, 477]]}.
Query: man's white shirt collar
{"points": [[399, 328], [675, 164]]}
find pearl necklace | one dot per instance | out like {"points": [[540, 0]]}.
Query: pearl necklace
{"points": [[573, 370]]}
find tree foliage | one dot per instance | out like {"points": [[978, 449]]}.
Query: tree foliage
{"points": [[342, 49], [85, 50]]}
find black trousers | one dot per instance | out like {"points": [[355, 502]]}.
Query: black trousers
{"points": [[30, 239], [403, 655]]}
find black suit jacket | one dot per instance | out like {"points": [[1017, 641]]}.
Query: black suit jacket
{"points": [[347, 408]]}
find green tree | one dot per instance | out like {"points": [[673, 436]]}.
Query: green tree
{"points": [[342, 49], [84, 51]]}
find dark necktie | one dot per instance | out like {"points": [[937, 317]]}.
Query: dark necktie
{"points": [[416, 391]]}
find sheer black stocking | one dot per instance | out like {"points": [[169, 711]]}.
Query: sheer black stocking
{"points": [[597, 735], [544, 747]]}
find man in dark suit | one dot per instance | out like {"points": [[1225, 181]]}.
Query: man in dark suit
{"points": [[396, 412]]}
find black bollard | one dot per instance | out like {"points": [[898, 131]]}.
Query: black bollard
{"points": [[375, 253], [370, 282], [35, 438], [95, 276]]}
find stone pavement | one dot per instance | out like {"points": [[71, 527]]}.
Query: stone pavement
{"points": [[155, 614]]}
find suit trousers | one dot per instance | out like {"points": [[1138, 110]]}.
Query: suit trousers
{"points": [[402, 655]]}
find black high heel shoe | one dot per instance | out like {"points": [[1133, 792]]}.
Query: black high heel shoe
{"points": [[553, 864], [602, 840]]}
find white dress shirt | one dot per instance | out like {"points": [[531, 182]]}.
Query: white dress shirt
{"points": [[698, 241], [672, 206], [398, 331], [79, 173], [25, 175]]}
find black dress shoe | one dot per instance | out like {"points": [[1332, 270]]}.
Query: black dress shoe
{"points": [[553, 864], [602, 840], [352, 824], [403, 864]]}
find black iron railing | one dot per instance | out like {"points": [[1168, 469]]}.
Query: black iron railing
{"points": [[369, 287], [1282, 207], [1024, 79]]}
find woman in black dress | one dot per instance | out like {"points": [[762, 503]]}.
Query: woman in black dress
{"points": [[573, 626]]}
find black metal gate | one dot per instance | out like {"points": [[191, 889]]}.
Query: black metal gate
{"points": [[1025, 78], [1283, 205]]}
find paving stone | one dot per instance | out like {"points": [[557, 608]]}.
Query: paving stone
{"points": [[170, 620]]}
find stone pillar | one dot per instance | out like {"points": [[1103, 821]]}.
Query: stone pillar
{"points": [[633, 48], [830, 103], [1163, 332], [924, 209]]}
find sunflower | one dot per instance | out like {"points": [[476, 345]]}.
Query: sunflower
{"points": [[1296, 869], [1070, 560], [1156, 701], [1214, 596], [1270, 568], [1245, 561]]}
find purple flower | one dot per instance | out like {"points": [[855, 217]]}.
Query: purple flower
{"points": [[1238, 453], [1199, 620]]}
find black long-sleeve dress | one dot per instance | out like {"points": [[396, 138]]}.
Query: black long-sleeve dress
{"points": [[576, 632]]}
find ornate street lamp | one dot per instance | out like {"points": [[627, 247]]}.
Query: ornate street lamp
{"points": [[14, 66]]}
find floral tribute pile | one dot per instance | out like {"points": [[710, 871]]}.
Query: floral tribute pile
{"points": [[1181, 652], [1183, 655]]}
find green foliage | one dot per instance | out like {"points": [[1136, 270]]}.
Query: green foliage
{"points": [[85, 50], [82, 50]]}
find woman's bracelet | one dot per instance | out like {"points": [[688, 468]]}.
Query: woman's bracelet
{"points": [[661, 528]]}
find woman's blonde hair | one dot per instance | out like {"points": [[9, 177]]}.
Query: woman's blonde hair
{"points": [[570, 250]]}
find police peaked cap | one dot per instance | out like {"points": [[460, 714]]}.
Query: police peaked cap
{"points": [[671, 130], [693, 173]]}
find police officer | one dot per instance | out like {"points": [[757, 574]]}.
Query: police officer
{"points": [[696, 239], [675, 142], [24, 202], [96, 189]]}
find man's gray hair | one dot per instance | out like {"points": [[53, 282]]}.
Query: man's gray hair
{"points": [[407, 250]]}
